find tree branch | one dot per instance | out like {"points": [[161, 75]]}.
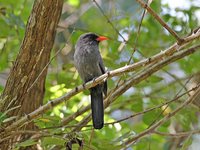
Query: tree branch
{"points": [[177, 135], [163, 120], [140, 76], [169, 51], [151, 11], [108, 20], [153, 108], [148, 71]]}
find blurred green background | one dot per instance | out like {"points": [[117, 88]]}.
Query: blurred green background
{"points": [[80, 16]]}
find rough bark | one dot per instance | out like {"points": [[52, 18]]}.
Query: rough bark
{"points": [[33, 56]]}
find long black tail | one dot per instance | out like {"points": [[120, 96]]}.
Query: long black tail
{"points": [[97, 107]]}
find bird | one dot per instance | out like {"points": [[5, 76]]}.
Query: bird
{"points": [[89, 64]]}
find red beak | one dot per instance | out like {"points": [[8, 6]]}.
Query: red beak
{"points": [[101, 38]]}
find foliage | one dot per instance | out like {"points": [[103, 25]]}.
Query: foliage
{"points": [[163, 86]]}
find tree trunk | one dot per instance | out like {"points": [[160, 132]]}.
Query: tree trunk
{"points": [[21, 93]]}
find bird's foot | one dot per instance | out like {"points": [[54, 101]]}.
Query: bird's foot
{"points": [[108, 74], [94, 80]]}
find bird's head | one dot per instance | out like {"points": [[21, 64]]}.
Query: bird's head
{"points": [[92, 38]]}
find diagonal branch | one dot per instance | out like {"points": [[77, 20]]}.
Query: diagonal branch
{"points": [[153, 13], [108, 20], [153, 108], [179, 134], [163, 120], [87, 119], [119, 71], [148, 71], [170, 51]]}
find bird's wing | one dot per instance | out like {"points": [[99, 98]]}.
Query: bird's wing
{"points": [[101, 66]]}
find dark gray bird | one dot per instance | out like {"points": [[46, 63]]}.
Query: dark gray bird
{"points": [[90, 65]]}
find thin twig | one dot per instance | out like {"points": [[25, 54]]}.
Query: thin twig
{"points": [[178, 80], [139, 77], [163, 120], [137, 36], [159, 115], [134, 48], [165, 53], [150, 109], [126, 118], [108, 20], [151, 11], [177, 135]]}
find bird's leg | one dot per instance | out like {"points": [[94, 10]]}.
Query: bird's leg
{"points": [[108, 74]]}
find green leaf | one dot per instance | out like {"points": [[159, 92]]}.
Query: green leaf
{"points": [[26, 143], [73, 2], [53, 141], [151, 116], [137, 105], [2, 117], [155, 79]]}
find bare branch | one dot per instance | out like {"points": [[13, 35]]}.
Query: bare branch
{"points": [[148, 71], [84, 109], [163, 120], [169, 51], [137, 36], [108, 20], [150, 109], [141, 76], [179, 134], [151, 11]]}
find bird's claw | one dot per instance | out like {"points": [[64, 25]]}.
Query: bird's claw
{"points": [[94, 79]]}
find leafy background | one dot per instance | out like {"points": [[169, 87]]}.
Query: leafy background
{"points": [[83, 16]]}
